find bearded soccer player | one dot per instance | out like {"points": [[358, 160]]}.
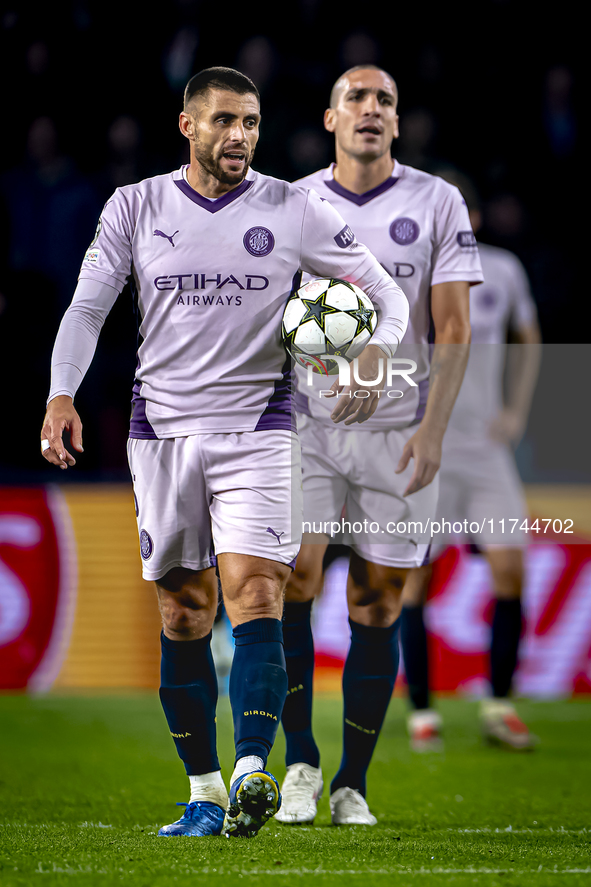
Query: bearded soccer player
{"points": [[479, 483], [383, 472], [213, 248]]}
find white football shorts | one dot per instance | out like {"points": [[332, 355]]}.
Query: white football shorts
{"points": [[205, 494], [349, 480], [481, 497]]}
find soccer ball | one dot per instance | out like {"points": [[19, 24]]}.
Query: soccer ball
{"points": [[327, 316]]}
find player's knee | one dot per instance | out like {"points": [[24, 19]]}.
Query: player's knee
{"points": [[305, 583], [416, 586], [258, 596], [507, 571], [187, 602], [508, 585], [181, 622], [374, 592], [377, 611]]}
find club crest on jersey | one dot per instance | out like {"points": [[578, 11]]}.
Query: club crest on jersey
{"points": [[259, 241], [146, 545], [404, 231]]}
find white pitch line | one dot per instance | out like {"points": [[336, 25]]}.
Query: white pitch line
{"points": [[509, 830], [398, 870], [401, 870]]}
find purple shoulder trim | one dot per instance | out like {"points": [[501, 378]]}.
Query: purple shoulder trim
{"points": [[213, 206], [360, 199]]}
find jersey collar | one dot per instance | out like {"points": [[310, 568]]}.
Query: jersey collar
{"points": [[213, 206], [359, 199]]}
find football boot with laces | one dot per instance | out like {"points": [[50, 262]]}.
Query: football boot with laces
{"points": [[200, 818]]}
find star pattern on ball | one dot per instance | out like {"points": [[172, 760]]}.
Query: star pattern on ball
{"points": [[364, 316], [317, 309]]}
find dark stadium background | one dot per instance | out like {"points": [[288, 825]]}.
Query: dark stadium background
{"points": [[91, 95]]}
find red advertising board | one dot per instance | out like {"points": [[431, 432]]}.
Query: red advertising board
{"points": [[37, 586], [555, 652]]}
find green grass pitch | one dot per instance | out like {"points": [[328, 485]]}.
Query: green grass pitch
{"points": [[85, 782]]}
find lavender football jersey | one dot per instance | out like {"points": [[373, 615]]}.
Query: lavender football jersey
{"points": [[212, 280], [417, 226], [503, 302]]}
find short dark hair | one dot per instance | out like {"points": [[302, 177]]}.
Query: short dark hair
{"points": [[219, 78], [369, 67]]}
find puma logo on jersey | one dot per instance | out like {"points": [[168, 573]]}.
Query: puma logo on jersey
{"points": [[158, 233], [277, 535]]}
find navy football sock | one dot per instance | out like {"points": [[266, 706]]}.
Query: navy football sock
{"points": [[299, 662], [506, 629], [258, 685], [413, 640], [189, 695], [368, 683]]}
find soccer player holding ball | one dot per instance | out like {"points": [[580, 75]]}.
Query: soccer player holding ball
{"points": [[385, 470], [212, 249]]}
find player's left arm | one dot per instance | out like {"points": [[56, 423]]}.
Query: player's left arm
{"points": [[524, 354], [450, 309], [456, 265]]}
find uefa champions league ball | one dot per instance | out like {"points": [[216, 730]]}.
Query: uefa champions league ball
{"points": [[327, 316]]}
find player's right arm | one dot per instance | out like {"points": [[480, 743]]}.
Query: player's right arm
{"points": [[103, 274], [73, 351]]}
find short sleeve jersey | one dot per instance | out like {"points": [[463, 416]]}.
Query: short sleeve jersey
{"points": [[502, 303], [212, 278], [418, 228]]}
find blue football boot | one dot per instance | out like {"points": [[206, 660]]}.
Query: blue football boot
{"points": [[254, 798], [199, 819]]}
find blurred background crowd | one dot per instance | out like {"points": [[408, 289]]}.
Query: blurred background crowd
{"points": [[91, 96]]}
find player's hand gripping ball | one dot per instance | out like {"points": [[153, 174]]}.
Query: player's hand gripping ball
{"points": [[327, 316]]}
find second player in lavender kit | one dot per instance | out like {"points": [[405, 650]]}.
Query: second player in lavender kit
{"points": [[384, 471], [480, 487], [213, 248]]}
